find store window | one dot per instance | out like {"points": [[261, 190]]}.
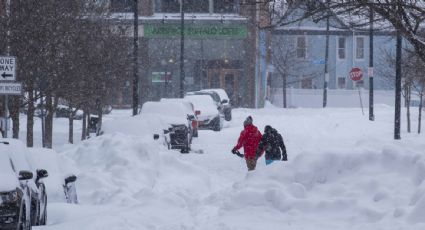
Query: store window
{"points": [[167, 6], [360, 47], [341, 48], [122, 6], [226, 6], [341, 83], [301, 47], [197, 6]]}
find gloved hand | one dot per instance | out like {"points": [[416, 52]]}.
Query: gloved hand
{"points": [[234, 150], [284, 157]]}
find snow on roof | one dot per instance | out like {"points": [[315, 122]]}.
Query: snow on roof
{"points": [[170, 112], [203, 103], [221, 92]]}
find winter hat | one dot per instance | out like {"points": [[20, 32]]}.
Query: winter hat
{"points": [[268, 129], [248, 121]]}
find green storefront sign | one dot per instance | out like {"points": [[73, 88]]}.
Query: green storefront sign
{"points": [[195, 31]]}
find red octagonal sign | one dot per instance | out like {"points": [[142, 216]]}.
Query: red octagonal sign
{"points": [[356, 74]]}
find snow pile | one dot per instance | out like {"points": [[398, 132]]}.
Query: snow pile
{"points": [[57, 166], [117, 168], [344, 172], [357, 190]]}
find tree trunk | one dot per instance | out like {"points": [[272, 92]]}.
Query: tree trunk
{"points": [[30, 119], [284, 90], [71, 125], [14, 112], [408, 97], [99, 124], [421, 96], [84, 128], [49, 121]]}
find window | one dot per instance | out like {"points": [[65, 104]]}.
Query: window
{"points": [[341, 48], [226, 6], [197, 6], [306, 83], [167, 6], [122, 5], [301, 47], [359, 47], [341, 82], [190, 6]]}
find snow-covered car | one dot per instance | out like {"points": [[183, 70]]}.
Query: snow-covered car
{"points": [[64, 111], [224, 101], [178, 122], [208, 116], [190, 111], [20, 161]]}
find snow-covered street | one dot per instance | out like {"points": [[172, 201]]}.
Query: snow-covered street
{"points": [[343, 172]]}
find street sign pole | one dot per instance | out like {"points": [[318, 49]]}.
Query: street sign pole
{"points": [[355, 75], [6, 106]]}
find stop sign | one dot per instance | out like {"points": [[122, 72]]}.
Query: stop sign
{"points": [[356, 74]]}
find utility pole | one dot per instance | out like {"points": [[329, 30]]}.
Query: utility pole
{"points": [[135, 60], [182, 74], [397, 88], [326, 80], [6, 98], [370, 70]]}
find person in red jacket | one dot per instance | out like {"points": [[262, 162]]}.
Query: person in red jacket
{"points": [[249, 139]]}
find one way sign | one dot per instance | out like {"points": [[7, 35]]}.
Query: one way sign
{"points": [[7, 68]]}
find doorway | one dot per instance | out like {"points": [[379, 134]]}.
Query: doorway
{"points": [[226, 79]]}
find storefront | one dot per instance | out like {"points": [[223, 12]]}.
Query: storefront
{"points": [[214, 57]]}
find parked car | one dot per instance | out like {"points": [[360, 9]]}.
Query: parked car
{"points": [[190, 111], [19, 160], [225, 105], [208, 116], [177, 129], [63, 111]]}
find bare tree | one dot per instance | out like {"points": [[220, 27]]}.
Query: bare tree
{"points": [[288, 66]]}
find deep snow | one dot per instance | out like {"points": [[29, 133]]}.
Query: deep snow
{"points": [[344, 172]]}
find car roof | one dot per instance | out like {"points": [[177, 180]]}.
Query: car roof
{"points": [[214, 95], [221, 92], [174, 113]]}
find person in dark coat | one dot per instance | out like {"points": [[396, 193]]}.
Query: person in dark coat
{"points": [[272, 143], [248, 139]]}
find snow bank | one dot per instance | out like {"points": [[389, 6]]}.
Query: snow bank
{"points": [[344, 172], [57, 166], [116, 168]]}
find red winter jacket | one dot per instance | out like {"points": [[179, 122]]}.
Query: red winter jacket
{"points": [[249, 139]]}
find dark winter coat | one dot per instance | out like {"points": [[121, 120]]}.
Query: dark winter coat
{"points": [[249, 139], [272, 143]]}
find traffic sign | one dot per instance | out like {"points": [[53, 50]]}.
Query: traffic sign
{"points": [[7, 68], [9, 88], [356, 74]]}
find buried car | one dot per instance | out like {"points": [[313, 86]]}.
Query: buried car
{"points": [[176, 120], [224, 101], [190, 111], [19, 159], [208, 113]]}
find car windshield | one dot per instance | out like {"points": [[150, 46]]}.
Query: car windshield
{"points": [[8, 177]]}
